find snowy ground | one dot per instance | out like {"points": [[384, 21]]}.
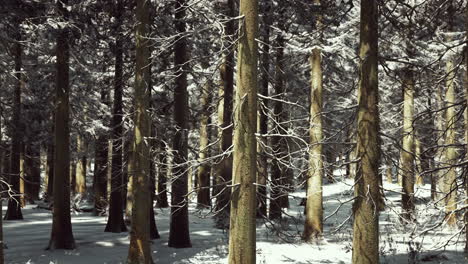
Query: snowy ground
{"points": [[276, 242]]}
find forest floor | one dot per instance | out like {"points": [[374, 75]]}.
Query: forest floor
{"points": [[423, 242]]}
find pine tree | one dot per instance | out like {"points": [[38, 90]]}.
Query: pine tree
{"points": [[407, 153], [116, 222], [367, 193], [14, 206], [242, 235], [313, 227], [262, 123], [179, 236], [62, 235], [139, 250]]}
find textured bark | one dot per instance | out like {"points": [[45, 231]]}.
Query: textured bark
{"points": [[115, 222], [224, 174], [367, 193], [450, 155], [407, 153], [14, 207], [262, 125], [62, 235], [179, 236], [139, 250], [313, 226], [2, 178], [243, 204], [203, 173]]}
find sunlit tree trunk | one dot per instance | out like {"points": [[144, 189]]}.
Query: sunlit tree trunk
{"points": [[139, 250], [81, 165], [313, 227], [450, 155], [203, 173], [367, 193], [242, 235], [407, 153]]}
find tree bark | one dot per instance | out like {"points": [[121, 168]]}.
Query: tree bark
{"points": [[62, 235], [278, 143], [203, 173], [407, 152], [313, 227], [115, 222], [179, 236], [227, 79], [262, 123], [14, 207], [81, 165], [367, 194], [450, 155], [139, 250], [243, 203]]}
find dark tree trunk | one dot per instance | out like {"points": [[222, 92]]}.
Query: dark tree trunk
{"points": [[62, 235], [278, 171], [179, 236], [161, 197], [115, 222], [14, 208], [225, 167], [262, 127]]}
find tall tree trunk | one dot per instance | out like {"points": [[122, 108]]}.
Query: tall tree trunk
{"points": [[115, 222], [203, 174], [100, 174], [62, 235], [242, 221], [262, 122], [313, 226], [450, 155], [407, 153], [179, 236], [278, 170], [81, 165], [139, 250], [227, 78], [366, 204], [14, 207]]}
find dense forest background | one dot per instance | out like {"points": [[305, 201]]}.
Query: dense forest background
{"points": [[111, 105]]}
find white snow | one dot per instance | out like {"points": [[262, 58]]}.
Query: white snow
{"points": [[276, 242]]}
